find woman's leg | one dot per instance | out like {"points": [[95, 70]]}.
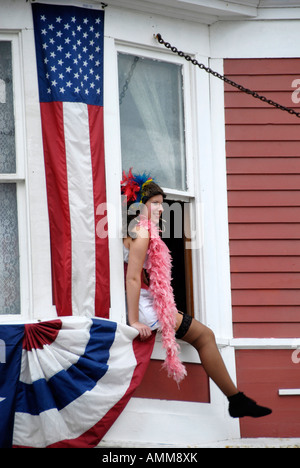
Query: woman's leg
{"points": [[203, 340]]}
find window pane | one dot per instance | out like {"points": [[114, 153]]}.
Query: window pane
{"points": [[152, 119], [7, 126], [9, 251]]}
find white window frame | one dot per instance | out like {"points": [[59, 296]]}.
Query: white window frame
{"points": [[114, 174], [154, 54], [19, 178]]}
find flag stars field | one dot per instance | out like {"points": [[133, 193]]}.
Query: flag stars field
{"points": [[70, 45]]}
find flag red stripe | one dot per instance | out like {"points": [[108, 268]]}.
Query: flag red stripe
{"points": [[102, 297], [58, 204]]}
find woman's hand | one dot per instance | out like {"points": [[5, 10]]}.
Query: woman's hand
{"points": [[144, 331]]}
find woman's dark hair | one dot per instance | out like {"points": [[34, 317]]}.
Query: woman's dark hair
{"points": [[150, 190], [133, 209]]}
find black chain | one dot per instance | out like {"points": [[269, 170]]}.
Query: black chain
{"points": [[128, 79], [225, 79]]}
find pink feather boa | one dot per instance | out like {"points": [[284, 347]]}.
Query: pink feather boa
{"points": [[159, 266]]}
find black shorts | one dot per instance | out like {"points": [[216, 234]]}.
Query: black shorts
{"points": [[184, 326]]}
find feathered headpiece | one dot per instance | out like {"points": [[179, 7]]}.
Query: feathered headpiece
{"points": [[133, 185]]}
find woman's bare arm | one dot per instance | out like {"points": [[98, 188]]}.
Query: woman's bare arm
{"points": [[138, 252]]}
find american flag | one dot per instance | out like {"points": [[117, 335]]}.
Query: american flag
{"points": [[69, 50]]}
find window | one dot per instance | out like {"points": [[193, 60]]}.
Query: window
{"points": [[176, 216], [11, 188], [153, 139], [152, 118]]}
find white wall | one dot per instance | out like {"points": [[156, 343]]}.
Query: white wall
{"points": [[255, 39]]}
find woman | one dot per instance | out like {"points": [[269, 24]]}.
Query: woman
{"points": [[150, 300]]}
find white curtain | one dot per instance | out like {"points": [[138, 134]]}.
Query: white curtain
{"points": [[7, 125]]}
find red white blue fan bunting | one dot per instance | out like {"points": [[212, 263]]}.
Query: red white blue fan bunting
{"points": [[64, 382]]}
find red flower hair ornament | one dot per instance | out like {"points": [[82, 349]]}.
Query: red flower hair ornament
{"points": [[132, 185]]}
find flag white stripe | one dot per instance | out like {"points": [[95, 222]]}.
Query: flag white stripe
{"points": [[81, 202]]}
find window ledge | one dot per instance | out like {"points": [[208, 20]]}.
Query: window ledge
{"points": [[187, 352]]}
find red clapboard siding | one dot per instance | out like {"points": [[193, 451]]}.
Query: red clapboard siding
{"points": [[263, 67], [263, 175], [263, 148], [261, 374], [265, 116], [262, 314], [264, 231], [286, 330], [263, 165], [264, 198], [262, 132], [270, 248], [195, 387], [263, 182], [282, 214], [265, 297], [264, 263], [265, 280], [242, 100], [259, 83]]}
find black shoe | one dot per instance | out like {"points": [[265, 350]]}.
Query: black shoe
{"points": [[240, 405]]}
